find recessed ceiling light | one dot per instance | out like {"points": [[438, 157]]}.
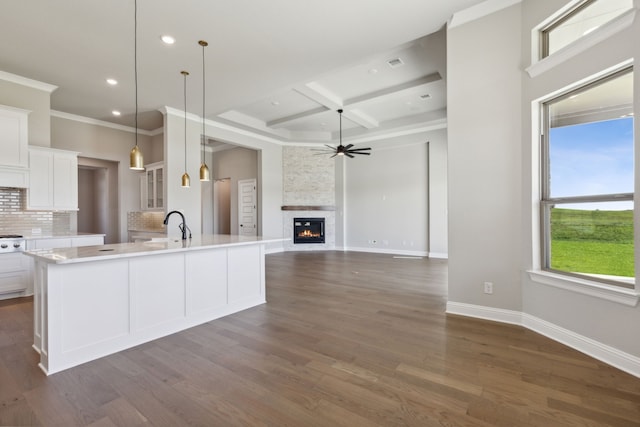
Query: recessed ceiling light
{"points": [[112, 82], [115, 112], [590, 30], [168, 39], [373, 71], [275, 103]]}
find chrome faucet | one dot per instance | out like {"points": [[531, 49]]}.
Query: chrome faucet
{"points": [[183, 227]]}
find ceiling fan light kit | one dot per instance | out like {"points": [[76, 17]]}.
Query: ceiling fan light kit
{"points": [[342, 150]]}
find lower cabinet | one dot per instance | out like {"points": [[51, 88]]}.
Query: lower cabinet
{"points": [[49, 243], [15, 274]]}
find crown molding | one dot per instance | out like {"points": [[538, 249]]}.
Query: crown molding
{"points": [[35, 84], [90, 121], [479, 11]]}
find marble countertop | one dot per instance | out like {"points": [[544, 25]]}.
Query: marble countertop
{"points": [[58, 235], [155, 246]]}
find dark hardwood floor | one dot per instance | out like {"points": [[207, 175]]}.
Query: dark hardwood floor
{"points": [[346, 339]]}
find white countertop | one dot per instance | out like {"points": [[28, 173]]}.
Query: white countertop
{"points": [[156, 246], [58, 235]]}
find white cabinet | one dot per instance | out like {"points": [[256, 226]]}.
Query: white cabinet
{"points": [[15, 274], [152, 187], [53, 179], [14, 142], [65, 242]]}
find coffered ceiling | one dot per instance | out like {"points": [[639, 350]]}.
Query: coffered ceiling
{"points": [[279, 68]]}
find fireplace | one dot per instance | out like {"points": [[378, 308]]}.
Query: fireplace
{"points": [[308, 230]]}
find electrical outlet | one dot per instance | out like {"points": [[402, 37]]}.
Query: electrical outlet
{"points": [[488, 287]]}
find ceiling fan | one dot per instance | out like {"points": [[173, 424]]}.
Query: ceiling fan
{"points": [[342, 150]]}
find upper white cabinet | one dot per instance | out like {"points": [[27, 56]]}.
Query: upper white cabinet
{"points": [[53, 179], [152, 187], [14, 141]]}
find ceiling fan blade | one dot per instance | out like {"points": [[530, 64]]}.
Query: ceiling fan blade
{"points": [[366, 154], [348, 155], [360, 149], [348, 146], [328, 146], [333, 156]]}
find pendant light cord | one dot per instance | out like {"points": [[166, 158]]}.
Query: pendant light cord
{"points": [[184, 73], [203, 44], [135, 61]]}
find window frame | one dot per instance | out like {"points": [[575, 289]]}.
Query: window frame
{"points": [[544, 32], [546, 201]]}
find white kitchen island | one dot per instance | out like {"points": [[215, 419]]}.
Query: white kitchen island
{"points": [[97, 300]]}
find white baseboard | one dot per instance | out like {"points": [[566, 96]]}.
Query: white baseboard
{"points": [[605, 353], [483, 312], [387, 251], [439, 255]]}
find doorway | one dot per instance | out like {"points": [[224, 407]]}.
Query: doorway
{"points": [[222, 206], [98, 198]]}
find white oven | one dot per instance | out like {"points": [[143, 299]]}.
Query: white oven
{"points": [[14, 267]]}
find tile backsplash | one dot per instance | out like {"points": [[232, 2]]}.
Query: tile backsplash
{"points": [[14, 218], [140, 221]]}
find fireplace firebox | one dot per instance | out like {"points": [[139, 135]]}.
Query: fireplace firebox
{"points": [[308, 230]]}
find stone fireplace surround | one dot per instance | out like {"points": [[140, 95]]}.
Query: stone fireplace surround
{"points": [[326, 212]]}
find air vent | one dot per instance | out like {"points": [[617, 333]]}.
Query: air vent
{"points": [[425, 96], [393, 63]]}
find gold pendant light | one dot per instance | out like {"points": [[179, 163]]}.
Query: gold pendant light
{"points": [[205, 174], [136, 161], [186, 181]]}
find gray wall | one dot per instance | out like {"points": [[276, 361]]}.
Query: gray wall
{"points": [[35, 100], [99, 142], [485, 191], [493, 167], [236, 164], [387, 198]]}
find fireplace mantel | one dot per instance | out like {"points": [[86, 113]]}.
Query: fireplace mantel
{"points": [[308, 208]]}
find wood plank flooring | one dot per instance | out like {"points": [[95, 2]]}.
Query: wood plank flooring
{"points": [[346, 339]]}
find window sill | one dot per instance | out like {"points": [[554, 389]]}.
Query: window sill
{"points": [[545, 64], [615, 294]]}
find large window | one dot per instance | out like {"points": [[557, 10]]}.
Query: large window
{"points": [[588, 181], [586, 17]]}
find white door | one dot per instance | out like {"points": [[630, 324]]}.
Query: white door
{"points": [[247, 202]]}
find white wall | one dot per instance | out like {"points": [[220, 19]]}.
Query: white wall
{"points": [[484, 152]]}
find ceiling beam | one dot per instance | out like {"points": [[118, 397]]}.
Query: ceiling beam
{"points": [[430, 78], [330, 101]]}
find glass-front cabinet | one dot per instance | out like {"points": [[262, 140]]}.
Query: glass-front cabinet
{"points": [[152, 187]]}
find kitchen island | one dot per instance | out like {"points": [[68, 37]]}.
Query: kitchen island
{"points": [[97, 300]]}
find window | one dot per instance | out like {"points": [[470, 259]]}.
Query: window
{"points": [[588, 181], [585, 18]]}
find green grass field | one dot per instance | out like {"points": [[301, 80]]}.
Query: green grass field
{"points": [[597, 242]]}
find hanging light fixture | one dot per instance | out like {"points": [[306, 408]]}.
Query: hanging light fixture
{"points": [[205, 174], [186, 181], [342, 150], [136, 161]]}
